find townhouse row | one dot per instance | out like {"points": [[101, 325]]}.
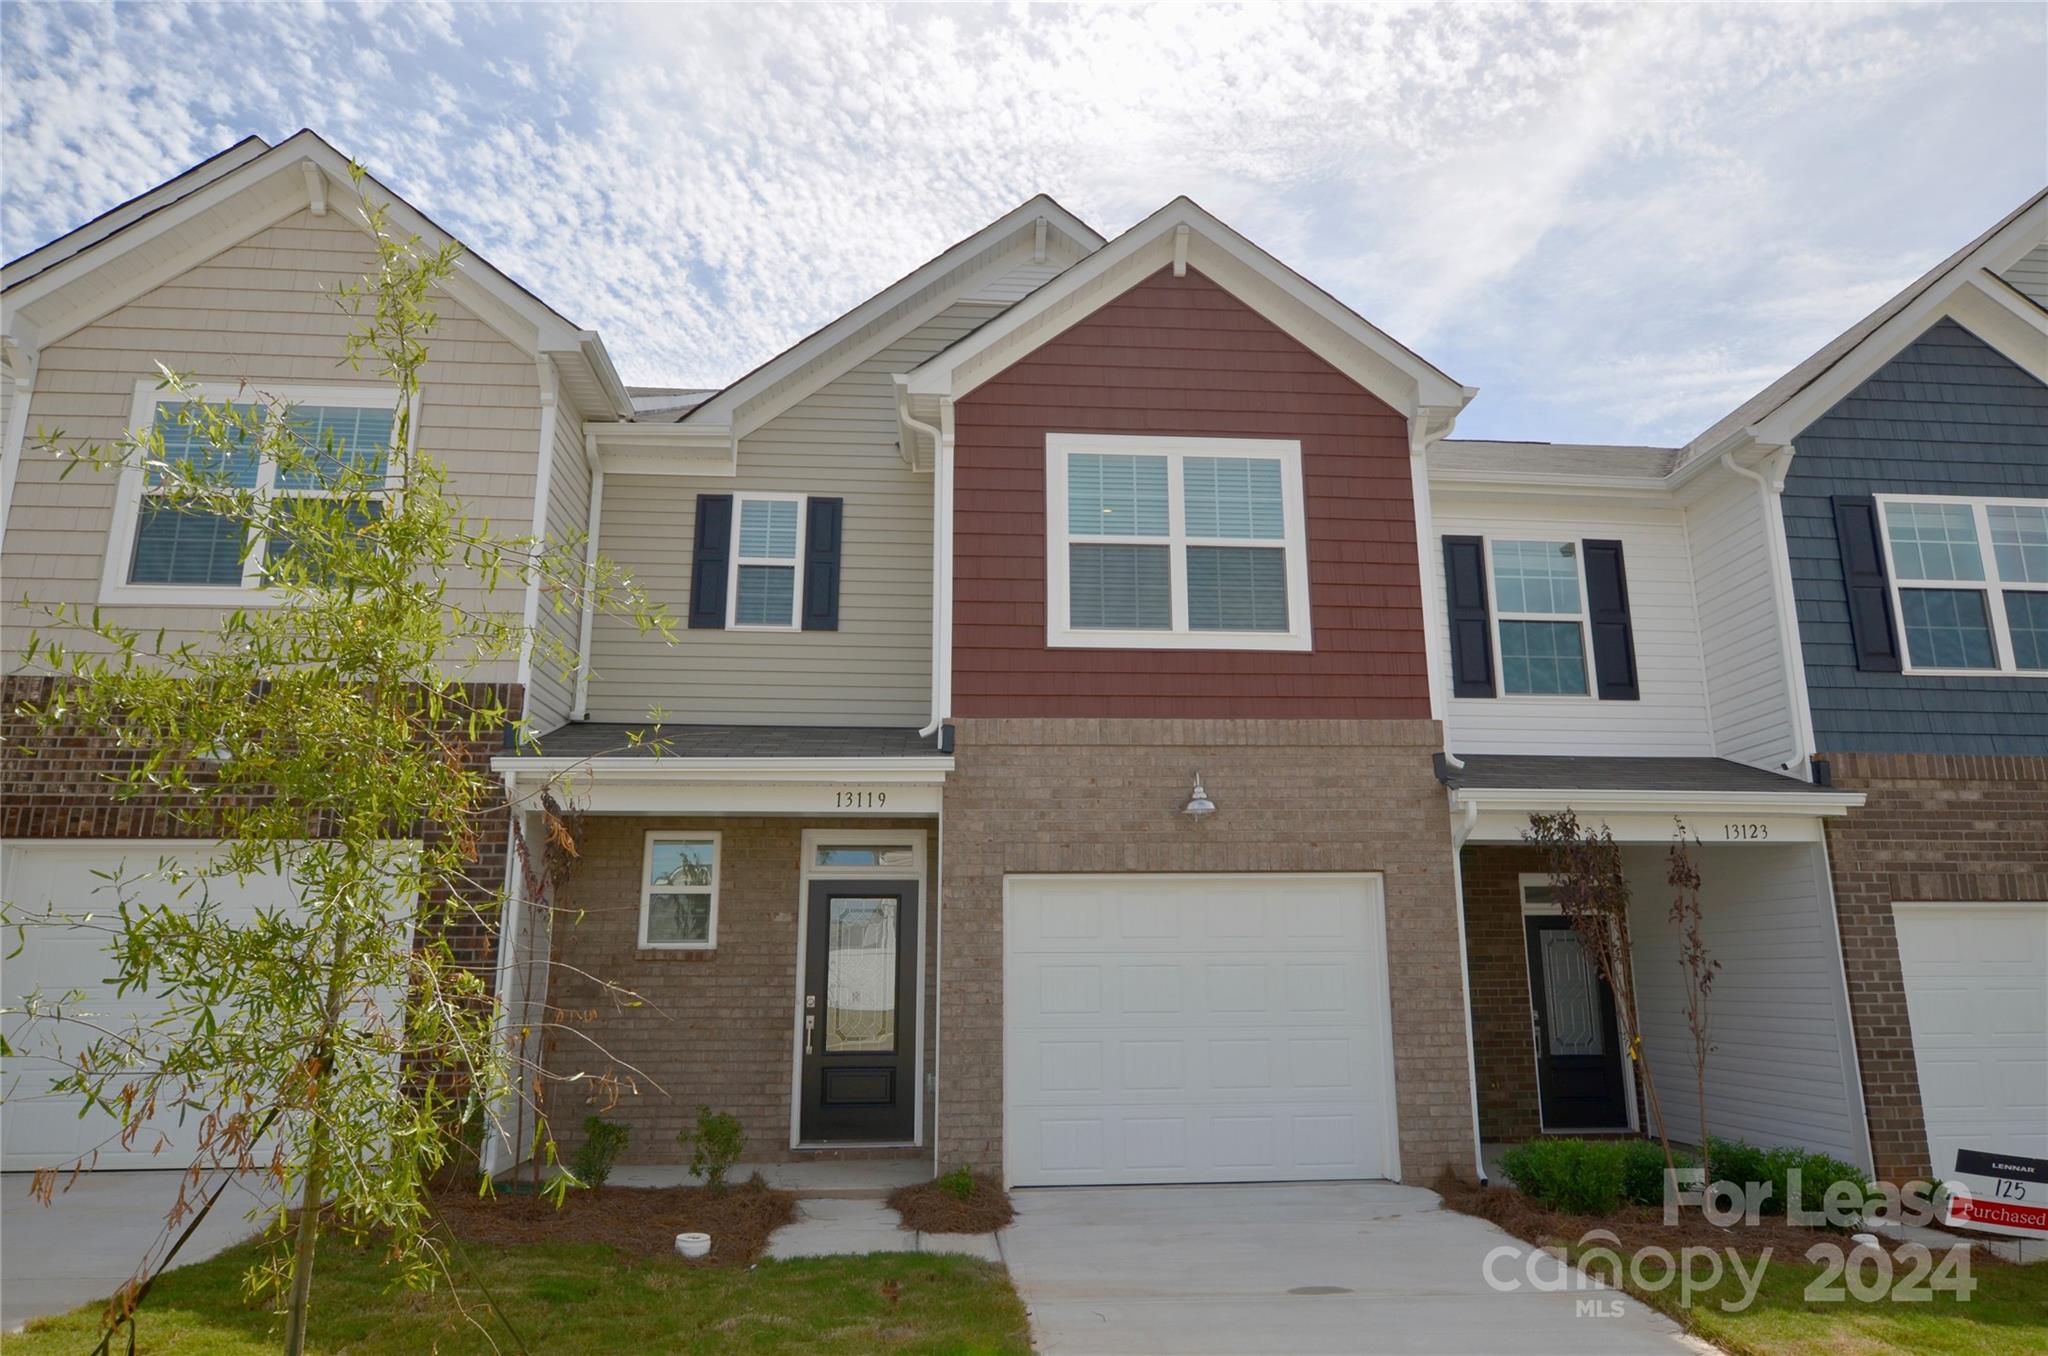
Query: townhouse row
{"points": [[1108, 701]]}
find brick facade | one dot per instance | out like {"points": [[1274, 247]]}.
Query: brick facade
{"points": [[706, 1027], [1050, 795], [57, 786], [1502, 1038], [1935, 829]]}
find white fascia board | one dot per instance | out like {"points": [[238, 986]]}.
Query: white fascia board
{"points": [[1653, 490], [726, 405], [1210, 245], [917, 771], [1815, 803], [662, 449]]}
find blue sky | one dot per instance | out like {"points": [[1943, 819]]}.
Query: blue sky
{"points": [[1617, 222]]}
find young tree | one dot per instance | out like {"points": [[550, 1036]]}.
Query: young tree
{"points": [[1590, 889], [1688, 916], [341, 1046]]}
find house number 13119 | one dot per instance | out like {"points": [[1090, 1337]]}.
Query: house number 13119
{"points": [[859, 800]]}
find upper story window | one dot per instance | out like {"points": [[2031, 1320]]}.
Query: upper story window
{"points": [[161, 552], [1539, 608], [1970, 582], [1175, 543], [764, 561]]}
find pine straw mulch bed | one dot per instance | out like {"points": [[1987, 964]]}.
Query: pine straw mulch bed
{"points": [[1635, 1226], [640, 1220], [929, 1208]]}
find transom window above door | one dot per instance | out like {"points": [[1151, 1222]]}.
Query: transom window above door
{"points": [[1970, 579], [1175, 543]]}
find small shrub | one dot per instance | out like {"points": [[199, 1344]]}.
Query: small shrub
{"points": [[603, 1142], [1734, 1161], [714, 1146], [959, 1183], [1579, 1177], [1642, 1170]]}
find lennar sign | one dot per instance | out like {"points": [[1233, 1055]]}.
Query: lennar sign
{"points": [[1999, 1193]]}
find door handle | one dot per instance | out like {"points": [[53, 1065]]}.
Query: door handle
{"points": [[810, 1025]]}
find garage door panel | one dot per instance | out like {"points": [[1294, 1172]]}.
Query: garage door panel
{"points": [[1231, 1028], [1977, 996]]}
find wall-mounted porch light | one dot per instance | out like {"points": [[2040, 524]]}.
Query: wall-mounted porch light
{"points": [[1199, 804]]}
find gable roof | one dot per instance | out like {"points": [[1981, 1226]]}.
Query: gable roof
{"points": [[1035, 228], [1184, 235], [60, 287], [1889, 328]]}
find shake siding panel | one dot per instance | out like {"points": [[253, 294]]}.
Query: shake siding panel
{"points": [[1183, 356]]}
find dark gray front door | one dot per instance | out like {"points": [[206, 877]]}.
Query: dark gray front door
{"points": [[1578, 1055], [860, 1012]]}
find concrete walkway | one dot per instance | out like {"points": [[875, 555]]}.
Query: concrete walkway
{"points": [[1350, 1268], [86, 1243], [829, 1226]]}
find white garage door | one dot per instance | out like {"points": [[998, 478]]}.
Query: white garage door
{"points": [[40, 1129], [1196, 1029], [1977, 993]]}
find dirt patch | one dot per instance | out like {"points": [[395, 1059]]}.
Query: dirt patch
{"points": [[641, 1220], [1635, 1226], [929, 1208]]}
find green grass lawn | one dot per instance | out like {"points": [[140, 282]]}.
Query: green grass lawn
{"points": [[2007, 1315], [581, 1298]]}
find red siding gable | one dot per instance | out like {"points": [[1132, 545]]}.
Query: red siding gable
{"points": [[1181, 355]]}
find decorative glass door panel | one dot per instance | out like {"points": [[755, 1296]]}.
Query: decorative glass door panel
{"points": [[1571, 988], [860, 975]]}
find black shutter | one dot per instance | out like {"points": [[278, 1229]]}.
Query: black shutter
{"points": [[1471, 628], [1614, 636], [821, 564], [712, 550], [1870, 599]]}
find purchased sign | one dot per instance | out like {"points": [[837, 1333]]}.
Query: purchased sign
{"points": [[1999, 1193]]}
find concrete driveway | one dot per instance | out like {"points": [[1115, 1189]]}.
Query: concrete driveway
{"points": [[82, 1246], [1338, 1267]]}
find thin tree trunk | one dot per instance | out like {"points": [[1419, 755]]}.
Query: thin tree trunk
{"points": [[299, 1308]]}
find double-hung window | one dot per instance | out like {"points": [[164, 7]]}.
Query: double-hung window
{"points": [[679, 892], [765, 559], [162, 552], [1175, 543], [1540, 610], [1970, 582]]}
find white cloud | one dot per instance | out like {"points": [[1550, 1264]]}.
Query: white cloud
{"points": [[1616, 221]]}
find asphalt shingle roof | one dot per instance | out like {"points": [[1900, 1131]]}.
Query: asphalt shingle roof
{"points": [[1520, 772]]}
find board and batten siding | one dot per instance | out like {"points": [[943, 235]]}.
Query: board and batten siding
{"points": [[255, 311], [551, 688], [2030, 274], [1670, 718], [1749, 699], [876, 668], [1950, 415], [1782, 1070]]}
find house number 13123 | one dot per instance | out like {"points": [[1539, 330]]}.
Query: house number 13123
{"points": [[1746, 833], [859, 800]]}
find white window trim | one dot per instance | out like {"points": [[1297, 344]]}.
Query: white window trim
{"points": [[1991, 585], [654, 836], [795, 562], [1583, 619], [1061, 634], [114, 585]]}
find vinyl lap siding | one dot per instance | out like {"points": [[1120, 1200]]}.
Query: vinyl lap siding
{"points": [[1181, 355], [551, 691], [2030, 274], [1670, 718], [1748, 699], [254, 311], [1948, 415], [876, 668]]}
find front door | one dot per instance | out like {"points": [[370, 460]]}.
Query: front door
{"points": [[860, 1012], [1578, 1054]]}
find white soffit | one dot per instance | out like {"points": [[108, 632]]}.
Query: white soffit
{"points": [[1325, 325]]}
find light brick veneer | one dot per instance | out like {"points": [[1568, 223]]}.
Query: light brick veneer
{"points": [[715, 1028], [1935, 829], [1077, 795]]}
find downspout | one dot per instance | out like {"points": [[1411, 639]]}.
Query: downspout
{"points": [[1459, 833], [497, 1140], [1420, 436], [543, 488], [582, 709], [941, 489], [1770, 490]]}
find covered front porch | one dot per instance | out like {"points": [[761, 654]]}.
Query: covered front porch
{"points": [[746, 921], [1548, 1053]]}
